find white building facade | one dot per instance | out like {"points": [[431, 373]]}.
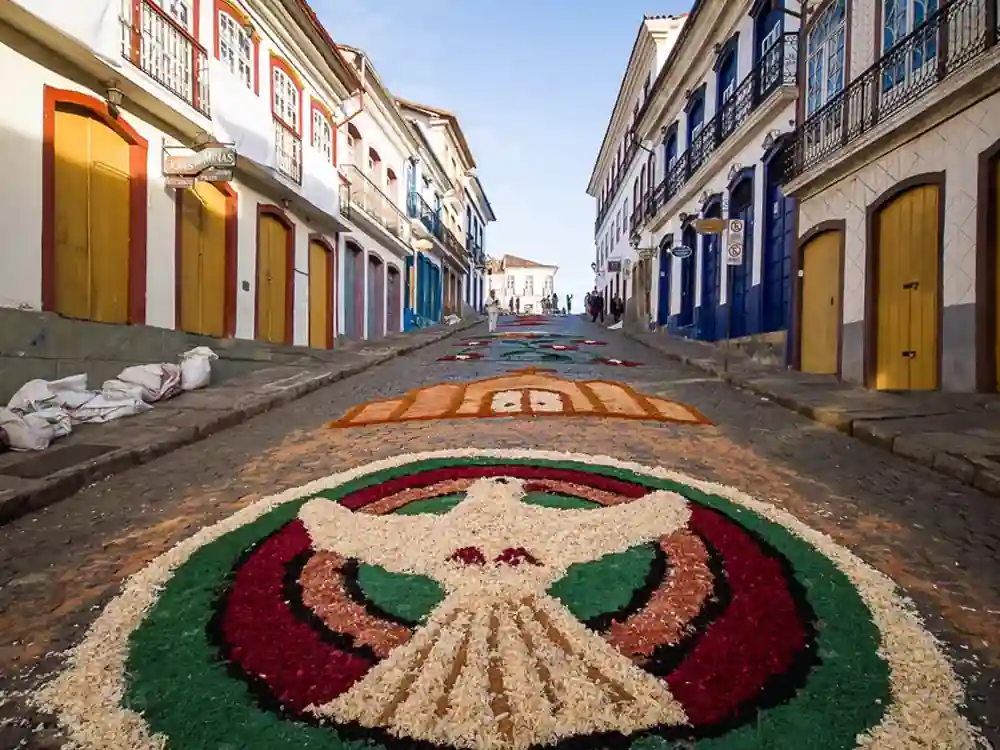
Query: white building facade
{"points": [[624, 164], [520, 285], [896, 169], [720, 112], [308, 239]]}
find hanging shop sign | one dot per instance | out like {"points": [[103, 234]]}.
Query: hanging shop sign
{"points": [[709, 226], [190, 165], [681, 251]]}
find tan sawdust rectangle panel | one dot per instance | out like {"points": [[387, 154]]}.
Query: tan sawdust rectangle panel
{"points": [[617, 400], [434, 401]]}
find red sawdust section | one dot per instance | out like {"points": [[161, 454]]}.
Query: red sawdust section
{"points": [[517, 394]]}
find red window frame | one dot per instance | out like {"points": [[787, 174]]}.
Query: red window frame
{"points": [[241, 17], [281, 64], [315, 105]]}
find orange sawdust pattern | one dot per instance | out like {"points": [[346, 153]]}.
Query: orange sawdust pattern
{"points": [[523, 393]]}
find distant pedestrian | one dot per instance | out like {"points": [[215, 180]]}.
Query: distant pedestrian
{"points": [[617, 308], [517, 305], [597, 308], [569, 304], [493, 311]]}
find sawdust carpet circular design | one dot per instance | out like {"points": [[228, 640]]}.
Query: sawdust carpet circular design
{"points": [[508, 600], [537, 347]]}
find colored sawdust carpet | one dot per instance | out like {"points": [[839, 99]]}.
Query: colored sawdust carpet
{"points": [[524, 393], [533, 347], [509, 600], [523, 320]]}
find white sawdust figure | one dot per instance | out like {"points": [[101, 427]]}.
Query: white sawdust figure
{"points": [[500, 663]]}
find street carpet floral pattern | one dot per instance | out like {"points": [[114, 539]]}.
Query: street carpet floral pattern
{"points": [[538, 347], [526, 393], [509, 600]]}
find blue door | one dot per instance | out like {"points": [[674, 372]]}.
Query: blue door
{"points": [[741, 207], [776, 287], [663, 295], [689, 239], [350, 292], [709, 287]]}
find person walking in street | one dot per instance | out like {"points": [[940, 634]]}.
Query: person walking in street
{"points": [[569, 304], [597, 311], [617, 308], [493, 311]]}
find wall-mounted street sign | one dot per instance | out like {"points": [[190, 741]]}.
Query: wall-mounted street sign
{"points": [[212, 174], [681, 251], [734, 243], [189, 165], [709, 226], [614, 266]]}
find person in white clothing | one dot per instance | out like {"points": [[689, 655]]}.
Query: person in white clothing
{"points": [[493, 311]]}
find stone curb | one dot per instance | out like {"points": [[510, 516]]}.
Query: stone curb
{"points": [[872, 432], [63, 484]]}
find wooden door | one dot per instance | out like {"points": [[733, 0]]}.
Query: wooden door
{"points": [[996, 273], [92, 188], [821, 304], [742, 275], [907, 297], [320, 296], [202, 272], [272, 280]]}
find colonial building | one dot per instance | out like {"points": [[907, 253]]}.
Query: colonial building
{"points": [[626, 167], [717, 111], [895, 169], [305, 238], [521, 284], [461, 211]]}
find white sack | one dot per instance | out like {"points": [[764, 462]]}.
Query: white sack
{"points": [[40, 394], [104, 407], [157, 382], [196, 368], [34, 431]]}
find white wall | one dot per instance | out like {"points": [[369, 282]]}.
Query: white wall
{"points": [[21, 213], [953, 147]]}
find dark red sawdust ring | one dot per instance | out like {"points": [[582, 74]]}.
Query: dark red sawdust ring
{"points": [[269, 644], [738, 658]]}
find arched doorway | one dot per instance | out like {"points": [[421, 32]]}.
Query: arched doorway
{"points": [[206, 237], [93, 211], [741, 207], [689, 238], [988, 272], [663, 289], [903, 286], [354, 274], [820, 309], [776, 254], [275, 275], [710, 253], [322, 292], [393, 295], [376, 297]]}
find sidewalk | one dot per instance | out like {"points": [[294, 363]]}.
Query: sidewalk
{"points": [[30, 481], [957, 434]]}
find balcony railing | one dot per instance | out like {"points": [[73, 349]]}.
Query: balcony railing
{"points": [[475, 250], [288, 151], [616, 183], [418, 208], [452, 242], [777, 68], [365, 196], [162, 48], [954, 36]]}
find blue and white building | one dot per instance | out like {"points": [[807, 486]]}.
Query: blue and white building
{"points": [[719, 114]]}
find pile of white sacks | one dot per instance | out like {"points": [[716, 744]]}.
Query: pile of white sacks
{"points": [[44, 410]]}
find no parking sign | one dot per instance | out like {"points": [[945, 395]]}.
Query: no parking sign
{"points": [[734, 242]]}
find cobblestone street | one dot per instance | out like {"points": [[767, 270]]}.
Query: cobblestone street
{"points": [[938, 539]]}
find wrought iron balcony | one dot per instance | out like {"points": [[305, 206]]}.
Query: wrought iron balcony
{"points": [[366, 197], [777, 68], [958, 33], [418, 208], [616, 183], [288, 151], [162, 48], [451, 241]]}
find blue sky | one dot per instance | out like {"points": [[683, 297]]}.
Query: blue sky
{"points": [[532, 82]]}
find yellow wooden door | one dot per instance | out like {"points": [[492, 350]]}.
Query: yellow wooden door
{"points": [[821, 303], [91, 264], [203, 261], [319, 296], [907, 291], [272, 279]]}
